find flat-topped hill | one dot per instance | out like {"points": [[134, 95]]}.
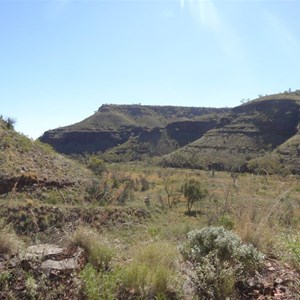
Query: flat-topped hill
{"points": [[221, 138], [114, 125]]}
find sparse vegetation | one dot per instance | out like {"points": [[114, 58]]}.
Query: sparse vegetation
{"points": [[99, 254], [130, 244]]}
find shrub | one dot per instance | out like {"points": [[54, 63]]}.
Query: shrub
{"points": [[31, 287], [227, 222], [99, 191], [219, 260], [151, 272], [99, 255], [96, 164], [145, 185]]}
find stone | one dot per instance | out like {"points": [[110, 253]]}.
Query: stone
{"points": [[278, 281], [52, 257], [62, 265], [37, 252]]}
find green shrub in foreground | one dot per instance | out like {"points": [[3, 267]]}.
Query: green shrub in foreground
{"points": [[219, 260]]}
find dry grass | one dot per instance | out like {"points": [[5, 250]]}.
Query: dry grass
{"points": [[10, 243], [99, 254]]}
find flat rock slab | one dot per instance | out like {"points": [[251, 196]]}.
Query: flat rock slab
{"points": [[38, 252], [62, 265], [53, 257]]}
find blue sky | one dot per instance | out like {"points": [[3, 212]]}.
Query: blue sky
{"points": [[61, 60]]}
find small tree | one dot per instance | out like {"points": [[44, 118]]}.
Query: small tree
{"points": [[10, 122], [193, 191], [173, 193]]}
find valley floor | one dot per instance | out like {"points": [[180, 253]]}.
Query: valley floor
{"points": [[126, 237]]}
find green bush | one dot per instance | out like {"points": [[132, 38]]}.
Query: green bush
{"points": [[227, 222], [96, 164], [219, 260]]}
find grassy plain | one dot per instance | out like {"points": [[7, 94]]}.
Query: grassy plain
{"points": [[132, 258]]}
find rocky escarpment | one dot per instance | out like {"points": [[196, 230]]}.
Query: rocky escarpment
{"points": [[223, 139], [113, 126], [160, 141], [252, 130]]}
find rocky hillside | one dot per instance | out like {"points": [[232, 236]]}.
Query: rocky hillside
{"points": [[26, 164], [261, 135], [123, 125]]}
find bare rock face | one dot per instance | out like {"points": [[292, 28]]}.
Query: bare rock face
{"points": [[52, 257], [38, 252], [43, 271], [252, 130], [114, 125]]}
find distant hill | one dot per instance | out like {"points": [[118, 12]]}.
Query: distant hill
{"points": [[113, 126], [258, 136], [257, 133]]}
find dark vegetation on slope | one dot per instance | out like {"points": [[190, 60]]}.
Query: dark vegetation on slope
{"points": [[258, 136], [253, 132], [113, 125]]}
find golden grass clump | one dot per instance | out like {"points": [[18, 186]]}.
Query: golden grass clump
{"points": [[99, 254], [9, 242], [151, 272]]}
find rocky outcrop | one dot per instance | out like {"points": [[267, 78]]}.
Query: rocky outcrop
{"points": [[114, 125], [251, 131], [52, 257], [225, 139], [43, 271], [29, 220]]}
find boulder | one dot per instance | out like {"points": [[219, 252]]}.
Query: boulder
{"points": [[52, 257]]}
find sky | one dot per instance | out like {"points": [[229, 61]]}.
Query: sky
{"points": [[60, 60]]}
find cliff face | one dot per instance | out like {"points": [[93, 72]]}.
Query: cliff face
{"points": [[241, 138], [113, 126], [252, 131]]}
